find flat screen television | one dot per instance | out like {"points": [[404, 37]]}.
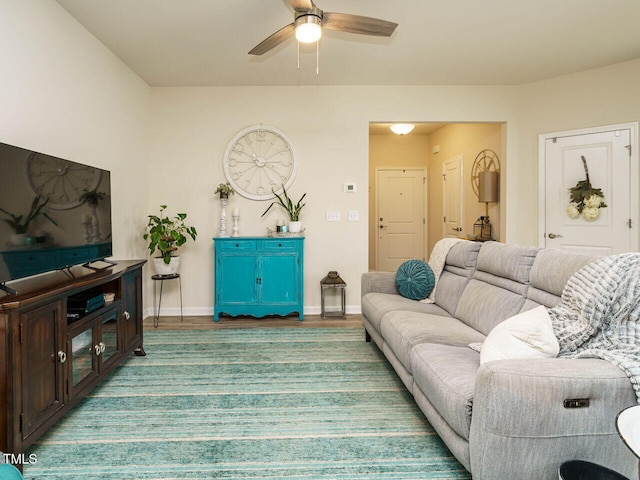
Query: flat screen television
{"points": [[54, 213]]}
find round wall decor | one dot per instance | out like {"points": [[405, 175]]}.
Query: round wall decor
{"points": [[486, 161], [259, 160]]}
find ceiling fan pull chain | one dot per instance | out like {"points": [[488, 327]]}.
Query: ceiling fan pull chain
{"points": [[318, 57], [298, 43]]}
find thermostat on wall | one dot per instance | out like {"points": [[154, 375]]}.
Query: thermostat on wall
{"points": [[349, 188]]}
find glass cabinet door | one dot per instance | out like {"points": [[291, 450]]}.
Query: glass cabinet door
{"points": [[109, 344], [83, 364]]}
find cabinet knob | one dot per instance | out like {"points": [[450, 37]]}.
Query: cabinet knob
{"points": [[126, 315], [103, 347], [97, 350], [62, 356]]}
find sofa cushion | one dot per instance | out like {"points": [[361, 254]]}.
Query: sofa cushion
{"points": [[403, 330], [458, 270], [526, 335], [499, 286], [446, 375], [376, 305], [549, 274], [415, 279]]}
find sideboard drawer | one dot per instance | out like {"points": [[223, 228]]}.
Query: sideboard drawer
{"points": [[236, 245], [280, 244]]}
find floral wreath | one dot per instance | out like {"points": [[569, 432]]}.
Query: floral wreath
{"points": [[585, 199]]}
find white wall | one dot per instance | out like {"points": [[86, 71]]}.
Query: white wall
{"points": [[63, 93]]}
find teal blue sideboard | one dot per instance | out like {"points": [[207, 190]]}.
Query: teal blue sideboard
{"points": [[258, 276]]}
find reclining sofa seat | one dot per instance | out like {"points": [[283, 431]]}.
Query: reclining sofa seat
{"points": [[507, 414]]}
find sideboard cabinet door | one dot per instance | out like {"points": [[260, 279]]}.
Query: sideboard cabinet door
{"points": [[42, 357], [132, 311]]}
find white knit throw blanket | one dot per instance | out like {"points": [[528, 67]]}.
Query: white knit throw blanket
{"points": [[598, 314], [437, 260]]}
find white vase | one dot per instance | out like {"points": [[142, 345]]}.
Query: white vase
{"points": [[166, 268], [18, 239], [295, 227]]}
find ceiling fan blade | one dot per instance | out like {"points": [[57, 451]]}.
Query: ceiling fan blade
{"points": [[301, 4], [274, 40], [345, 22]]}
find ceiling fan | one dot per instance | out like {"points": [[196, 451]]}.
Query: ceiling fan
{"points": [[309, 21]]}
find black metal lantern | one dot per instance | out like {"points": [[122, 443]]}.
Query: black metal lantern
{"points": [[333, 296], [482, 229]]}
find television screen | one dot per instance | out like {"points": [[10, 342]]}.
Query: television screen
{"points": [[54, 213]]}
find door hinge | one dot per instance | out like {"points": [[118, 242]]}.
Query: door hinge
{"points": [[629, 223], [20, 333], [444, 219], [628, 147], [444, 177]]}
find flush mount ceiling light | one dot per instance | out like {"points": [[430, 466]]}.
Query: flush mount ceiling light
{"points": [[401, 128], [308, 28]]}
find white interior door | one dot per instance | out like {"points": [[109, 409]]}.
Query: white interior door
{"points": [[452, 200], [400, 216], [607, 153]]}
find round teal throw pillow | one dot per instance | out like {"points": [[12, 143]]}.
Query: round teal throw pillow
{"points": [[9, 472], [415, 279]]}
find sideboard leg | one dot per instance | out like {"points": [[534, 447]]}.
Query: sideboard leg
{"points": [[140, 351]]}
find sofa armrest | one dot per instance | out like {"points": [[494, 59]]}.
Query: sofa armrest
{"points": [[519, 407], [379, 282]]}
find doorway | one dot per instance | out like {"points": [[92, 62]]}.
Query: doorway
{"points": [[428, 146]]}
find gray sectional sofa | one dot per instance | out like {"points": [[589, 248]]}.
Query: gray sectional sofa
{"points": [[505, 419]]}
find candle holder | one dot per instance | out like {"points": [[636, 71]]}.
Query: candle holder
{"points": [[223, 219], [235, 226]]}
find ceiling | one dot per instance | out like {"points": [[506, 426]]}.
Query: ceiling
{"points": [[444, 42]]}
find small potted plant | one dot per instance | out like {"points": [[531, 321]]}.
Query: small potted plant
{"points": [[20, 224], [165, 235], [293, 210], [225, 189]]}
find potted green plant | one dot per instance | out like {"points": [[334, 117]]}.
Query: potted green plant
{"points": [[293, 210], [20, 224], [165, 235], [225, 189]]}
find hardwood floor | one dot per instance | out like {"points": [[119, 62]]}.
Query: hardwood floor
{"points": [[207, 323]]}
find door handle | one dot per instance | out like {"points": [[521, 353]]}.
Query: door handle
{"points": [[383, 226], [554, 235], [459, 229]]}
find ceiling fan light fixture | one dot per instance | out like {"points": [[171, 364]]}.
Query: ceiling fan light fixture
{"points": [[308, 28], [402, 128]]}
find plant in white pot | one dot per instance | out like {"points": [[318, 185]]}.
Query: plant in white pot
{"points": [[166, 234], [293, 210]]}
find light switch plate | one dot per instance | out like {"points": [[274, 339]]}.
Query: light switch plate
{"points": [[354, 216], [333, 215]]}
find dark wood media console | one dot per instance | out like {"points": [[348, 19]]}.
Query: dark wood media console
{"points": [[48, 362]]}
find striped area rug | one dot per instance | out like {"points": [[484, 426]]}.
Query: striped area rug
{"points": [[247, 404]]}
